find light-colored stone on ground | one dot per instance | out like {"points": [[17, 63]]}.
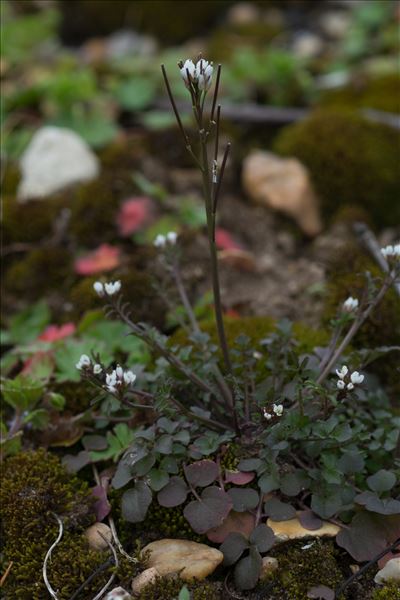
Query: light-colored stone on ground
{"points": [[95, 541], [293, 530]]}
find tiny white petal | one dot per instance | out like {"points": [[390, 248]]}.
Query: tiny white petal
{"points": [[113, 287], [84, 361], [172, 237], [278, 409], [350, 386], [268, 416], [111, 389], [356, 377], [97, 369], [350, 304], [342, 372], [340, 384], [160, 241], [188, 68], [98, 288], [129, 377]]}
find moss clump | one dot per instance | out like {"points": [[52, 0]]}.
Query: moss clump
{"points": [[167, 588], [29, 222], [380, 93], [351, 160], [301, 569], [168, 522], [225, 41], [382, 328], [35, 486], [391, 591], [78, 395], [41, 269]]}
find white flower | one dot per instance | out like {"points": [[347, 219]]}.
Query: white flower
{"points": [[350, 304], [97, 369], [391, 251], [355, 377], [129, 377], [111, 379], [350, 386], [343, 372], [119, 372], [341, 384], [113, 287], [278, 409], [172, 237], [160, 241], [188, 68], [267, 415], [99, 288], [203, 73], [112, 389], [84, 361]]}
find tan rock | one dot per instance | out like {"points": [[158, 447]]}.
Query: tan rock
{"points": [[284, 185], [390, 572], [96, 542], [190, 559], [118, 594], [145, 578], [293, 530], [269, 565]]}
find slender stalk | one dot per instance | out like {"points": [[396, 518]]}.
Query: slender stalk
{"points": [[184, 298], [216, 90], [221, 175], [354, 329]]}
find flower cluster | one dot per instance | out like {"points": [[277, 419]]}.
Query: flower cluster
{"points": [[391, 252], [350, 305], [118, 379], [348, 380], [84, 364], [109, 289], [277, 409], [199, 74], [162, 241]]}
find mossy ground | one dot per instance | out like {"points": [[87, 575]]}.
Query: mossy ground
{"points": [[380, 93], [352, 161]]}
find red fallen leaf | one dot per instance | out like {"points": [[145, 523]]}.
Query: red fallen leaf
{"points": [[382, 561], [52, 333], [235, 522], [232, 313], [225, 241], [102, 507], [104, 258], [238, 477], [238, 259], [134, 214]]}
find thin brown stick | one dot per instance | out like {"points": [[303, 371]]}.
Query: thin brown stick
{"points": [[216, 90]]}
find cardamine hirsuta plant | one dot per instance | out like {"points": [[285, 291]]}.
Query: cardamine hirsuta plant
{"points": [[261, 432]]}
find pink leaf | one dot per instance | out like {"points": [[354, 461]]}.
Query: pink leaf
{"points": [[53, 333], [102, 506], [134, 214], [235, 522], [105, 258], [225, 240], [238, 477]]}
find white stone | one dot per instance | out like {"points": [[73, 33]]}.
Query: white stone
{"points": [[118, 594], [144, 578], [390, 572], [54, 159], [189, 559], [269, 565], [95, 541]]}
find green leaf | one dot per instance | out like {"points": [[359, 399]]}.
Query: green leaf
{"points": [[268, 482], [122, 475], [184, 593], [201, 473], [29, 323], [263, 537], [174, 493], [38, 418], [327, 502], [136, 93], [158, 479], [291, 484], [243, 498], [143, 466], [249, 464], [233, 547], [22, 393], [210, 511], [279, 511], [163, 444], [57, 401], [248, 569], [382, 481], [351, 462], [135, 502]]}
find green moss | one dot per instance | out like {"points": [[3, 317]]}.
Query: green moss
{"points": [[29, 222], [391, 591], [42, 269], [382, 328], [380, 93], [169, 523], [78, 395], [351, 160], [167, 588], [301, 569], [226, 40]]}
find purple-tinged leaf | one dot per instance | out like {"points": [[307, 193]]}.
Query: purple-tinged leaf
{"points": [[201, 473], [365, 538], [382, 481], [73, 463], [263, 537], [210, 511], [249, 464], [122, 476], [383, 506], [279, 511], [135, 502], [321, 592], [233, 547], [309, 520], [248, 570], [102, 507], [235, 522], [268, 483], [243, 498], [94, 442], [174, 493], [238, 477]]}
